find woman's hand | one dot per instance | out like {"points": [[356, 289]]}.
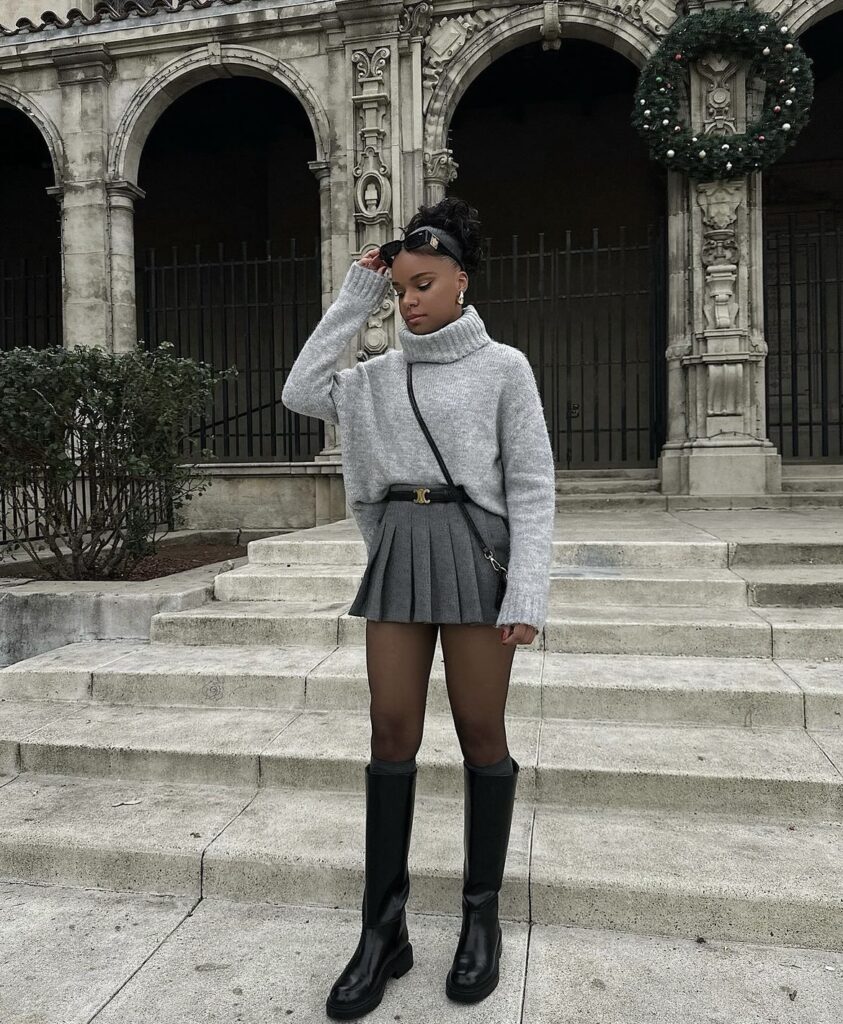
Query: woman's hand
{"points": [[372, 261], [520, 633]]}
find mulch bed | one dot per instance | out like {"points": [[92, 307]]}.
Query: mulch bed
{"points": [[171, 558]]}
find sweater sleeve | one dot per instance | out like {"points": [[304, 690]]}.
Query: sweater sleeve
{"points": [[530, 486], [313, 385]]}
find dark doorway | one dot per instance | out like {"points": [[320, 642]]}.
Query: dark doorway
{"points": [[575, 274], [803, 268], [228, 255], [30, 237]]}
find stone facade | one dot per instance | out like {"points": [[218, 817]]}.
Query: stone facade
{"points": [[379, 81]]}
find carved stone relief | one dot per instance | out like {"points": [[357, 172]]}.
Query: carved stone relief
{"points": [[551, 26], [719, 112], [376, 340], [719, 202], [440, 167], [445, 39], [655, 16], [372, 173], [416, 19], [373, 191], [725, 389]]}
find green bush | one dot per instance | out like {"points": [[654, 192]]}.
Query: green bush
{"points": [[90, 443]]}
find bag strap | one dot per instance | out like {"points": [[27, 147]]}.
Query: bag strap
{"points": [[487, 552]]}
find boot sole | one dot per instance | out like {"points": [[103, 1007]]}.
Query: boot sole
{"points": [[399, 967], [474, 995]]}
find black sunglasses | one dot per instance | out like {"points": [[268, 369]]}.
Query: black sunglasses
{"points": [[415, 240]]}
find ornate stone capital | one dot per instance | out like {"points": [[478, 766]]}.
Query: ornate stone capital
{"points": [[440, 167], [416, 20]]}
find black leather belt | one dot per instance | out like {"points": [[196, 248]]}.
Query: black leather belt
{"points": [[425, 495]]}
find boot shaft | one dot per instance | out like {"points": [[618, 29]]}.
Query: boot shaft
{"points": [[489, 803], [390, 804]]}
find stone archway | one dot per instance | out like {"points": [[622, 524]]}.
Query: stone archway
{"points": [[187, 70], [456, 54], [43, 122], [556, 251], [31, 163], [228, 252], [148, 103], [803, 266]]}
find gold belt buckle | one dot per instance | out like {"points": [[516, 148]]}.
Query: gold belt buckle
{"points": [[420, 498]]}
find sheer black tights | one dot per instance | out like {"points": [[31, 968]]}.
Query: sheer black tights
{"points": [[399, 656]]}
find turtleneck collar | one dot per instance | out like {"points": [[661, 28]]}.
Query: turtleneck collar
{"points": [[453, 341]]}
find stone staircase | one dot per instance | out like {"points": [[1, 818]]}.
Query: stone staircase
{"points": [[804, 485], [679, 723]]}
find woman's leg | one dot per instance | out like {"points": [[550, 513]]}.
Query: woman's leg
{"points": [[477, 670], [399, 656]]}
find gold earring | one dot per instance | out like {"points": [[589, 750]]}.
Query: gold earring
{"points": [[460, 297]]}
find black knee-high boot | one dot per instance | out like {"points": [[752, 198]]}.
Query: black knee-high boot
{"points": [[489, 801], [383, 950]]}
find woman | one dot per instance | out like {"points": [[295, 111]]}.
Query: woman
{"points": [[426, 573]]}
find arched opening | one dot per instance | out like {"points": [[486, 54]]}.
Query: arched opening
{"points": [[803, 268], [575, 272], [227, 255], [30, 239]]}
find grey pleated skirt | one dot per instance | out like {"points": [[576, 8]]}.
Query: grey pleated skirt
{"points": [[425, 564]]}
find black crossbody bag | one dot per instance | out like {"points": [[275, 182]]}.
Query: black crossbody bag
{"points": [[484, 547]]}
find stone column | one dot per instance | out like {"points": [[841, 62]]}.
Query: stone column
{"points": [[366, 44], [83, 75], [716, 437], [121, 205]]}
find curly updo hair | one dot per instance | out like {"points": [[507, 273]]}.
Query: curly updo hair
{"points": [[457, 217]]}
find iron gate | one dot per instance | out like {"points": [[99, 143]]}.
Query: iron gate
{"points": [[30, 302], [246, 308], [592, 321], [803, 314]]}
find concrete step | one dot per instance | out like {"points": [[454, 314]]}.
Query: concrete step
{"points": [[654, 873], [803, 500], [740, 771], [601, 544], [644, 473], [787, 552], [596, 485], [572, 585], [548, 973], [567, 502], [794, 586], [816, 484], [612, 629], [795, 469], [700, 632], [612, 687], [254, 623]]}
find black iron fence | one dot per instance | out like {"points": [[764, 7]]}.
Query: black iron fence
{"points": [[21, 514], [30, 302], [23, 502], [592, 320], [250, 307], [803, 314]]}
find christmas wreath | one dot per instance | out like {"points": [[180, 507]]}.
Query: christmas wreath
{"points": [[775, 57]]}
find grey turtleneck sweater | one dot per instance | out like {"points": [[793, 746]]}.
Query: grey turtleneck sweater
{"points": [[481, 404]]}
